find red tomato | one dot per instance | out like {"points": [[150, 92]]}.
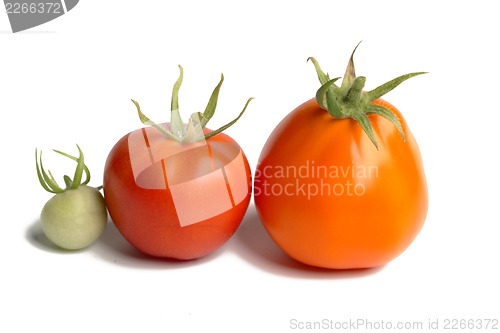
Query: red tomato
{"points": [[332, 196], [175, 200]]}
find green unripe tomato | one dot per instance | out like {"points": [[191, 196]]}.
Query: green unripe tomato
{"points": [[75, 218]]}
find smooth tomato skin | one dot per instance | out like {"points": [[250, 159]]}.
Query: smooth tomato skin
{"points": [[340, 218], [149, 219], [75, 218]]}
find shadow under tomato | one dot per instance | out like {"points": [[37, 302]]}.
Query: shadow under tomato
{"points": [[253, 243], [113, 248]]}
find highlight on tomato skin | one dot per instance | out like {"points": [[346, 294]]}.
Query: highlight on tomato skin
{"points": [[178, 190], [340, 183]]}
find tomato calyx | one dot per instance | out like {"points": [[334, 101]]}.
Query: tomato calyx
{"points": [[349, 100], [48, 181], [193, 130]]}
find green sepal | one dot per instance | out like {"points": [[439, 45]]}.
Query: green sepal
{"points": [[83, 167], [365, 124], [49, 178], [326, 99], [193, 131], [212, 103], [146, 121], [77, 178], [388, 86], [231, 123], [383, 112], [350, 72], [323, 78], [48, 181], [351, 101], [52, 181], [176, 123], [353, 95], [67, 181]]}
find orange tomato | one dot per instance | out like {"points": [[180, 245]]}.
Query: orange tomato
{"points": [[330, 198]]}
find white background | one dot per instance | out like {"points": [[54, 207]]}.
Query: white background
{"points": [[71, 80]]}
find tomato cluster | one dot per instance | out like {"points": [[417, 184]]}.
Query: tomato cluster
{"points": [[339, 183]]}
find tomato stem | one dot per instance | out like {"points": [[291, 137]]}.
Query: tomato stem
{"points": [[48, 181], [351, 101], [193, 130]]}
